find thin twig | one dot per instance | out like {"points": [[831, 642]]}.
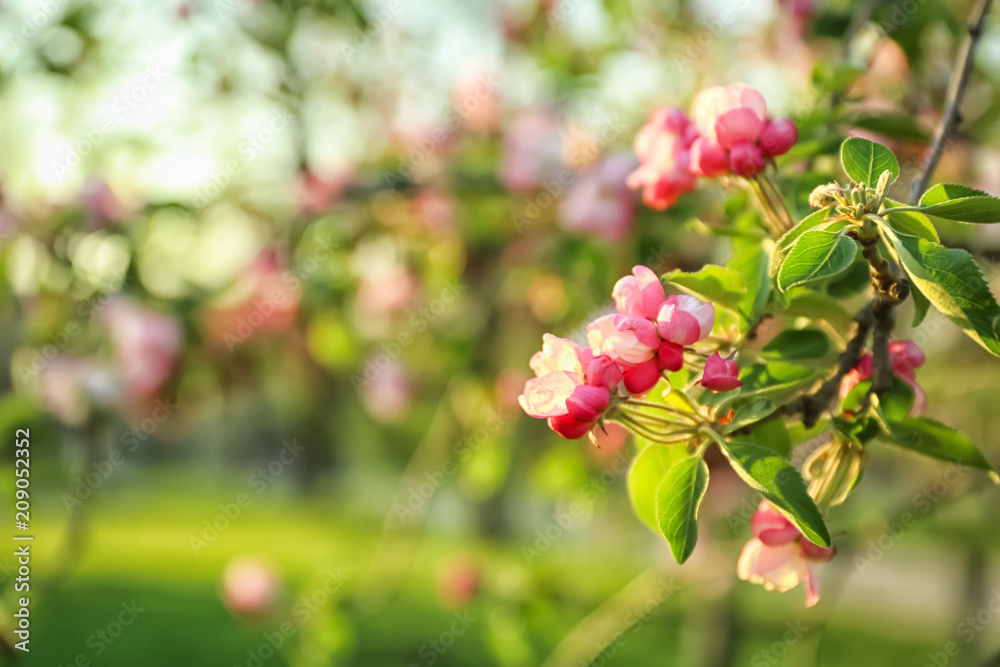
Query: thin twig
{"points": [[956, 91]]}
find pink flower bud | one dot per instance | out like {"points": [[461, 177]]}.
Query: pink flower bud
{"points": [[731, 114], [746, 159], [685, 320], [779, 136], [671, 356], [602, 371], [673, 119], [569, 427], [721, 374], [640, 294], [626, 339], [249, 586], [905, 356], [587, 403], [772, 527], [708, 159], [640, 378], [814, 552]]}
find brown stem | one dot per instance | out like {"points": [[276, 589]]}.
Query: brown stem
{"points": [[814, 404], [956, 91], [887, 287], [885, 317]]}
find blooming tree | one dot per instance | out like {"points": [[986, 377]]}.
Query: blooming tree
{"points": [[684, 371]]}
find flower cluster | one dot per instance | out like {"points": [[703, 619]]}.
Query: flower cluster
{"points": [[628, 352], [905, 357], [730, 134], [779, 556]]}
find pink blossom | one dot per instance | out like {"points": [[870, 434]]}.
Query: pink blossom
{"points": [[708, 158], [318, 191], [720, 374], [671, 356], [587, 403], [388, 395], [640, 378], [146, 343], [747, 159], [249, 586], [779, 136], [779, 557], [532, 150], [640, 294], [663, 148], [569, 426], [459, 583], [572, 387], [685, 320], [905, 357], [730, 115], [599, 203], [626, 339], [69, 387]]}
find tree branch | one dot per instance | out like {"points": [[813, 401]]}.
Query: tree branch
{"points": [[956, 91]]}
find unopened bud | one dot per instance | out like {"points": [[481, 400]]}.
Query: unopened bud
{"points": [[826, 195], [833, 470]]}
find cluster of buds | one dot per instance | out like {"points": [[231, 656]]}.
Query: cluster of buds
{"points": [[854, 203], [627, 353], [730, 135]]}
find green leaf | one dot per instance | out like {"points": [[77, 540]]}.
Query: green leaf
{"points": [[894, 404], [951, 280], [932, 438], [816, 219], [816, 256], [804, 302], [891, 125], [911, 222], [920, 305], [984, 209], [943, 192], [797, 345], [751, 262], [780, 484], [850, 283], [715, 283], [677, 501], [773, 434], [749, 412], [645, 476], [864, 161]]}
